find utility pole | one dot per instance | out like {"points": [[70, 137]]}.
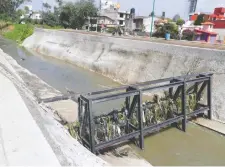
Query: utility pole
{"points": [[153, 14]]}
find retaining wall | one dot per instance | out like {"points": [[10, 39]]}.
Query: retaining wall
{"points": [[130, 61]]}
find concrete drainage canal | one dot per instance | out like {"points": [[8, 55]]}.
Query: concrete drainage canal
{"points": [[128, 114]]}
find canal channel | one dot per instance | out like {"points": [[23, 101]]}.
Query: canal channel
{"points": [[198, 146]]}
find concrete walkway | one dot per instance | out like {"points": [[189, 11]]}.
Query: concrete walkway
{"points": [[211, 124], [21, 141]]}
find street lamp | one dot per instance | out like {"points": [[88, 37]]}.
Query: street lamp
{"points": [[153, 13]]}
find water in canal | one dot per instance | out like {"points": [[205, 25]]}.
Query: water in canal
{"points": [[198, 146]]}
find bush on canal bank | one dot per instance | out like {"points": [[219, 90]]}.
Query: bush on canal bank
{"points": [[4, 24], [19, 32]]}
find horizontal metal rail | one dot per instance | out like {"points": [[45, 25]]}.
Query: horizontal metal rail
{"points": [[199, 111], [116, 140], [146, 83], [162, 86], [156, 127], [113, 97]]}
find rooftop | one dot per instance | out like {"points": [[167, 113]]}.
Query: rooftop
{"points": [[203, 31], [207, 23]]}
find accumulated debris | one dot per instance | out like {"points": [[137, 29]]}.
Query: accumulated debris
{"points": [[117, 122]]}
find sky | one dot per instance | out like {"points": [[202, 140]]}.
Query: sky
{"points": [[144, 7]]}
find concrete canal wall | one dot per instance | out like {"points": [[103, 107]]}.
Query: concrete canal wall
{"points": [[30, 133], [130, 61]]}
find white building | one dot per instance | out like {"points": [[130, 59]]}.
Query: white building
{"points": [[122, 16], [144, 23], [36, 16]]}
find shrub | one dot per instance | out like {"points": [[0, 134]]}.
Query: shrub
{"points": [[188, 35], [110, 29], [166, 28], [20, 32]]}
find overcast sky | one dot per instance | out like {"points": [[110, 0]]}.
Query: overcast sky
{"points": [[144, 7]]}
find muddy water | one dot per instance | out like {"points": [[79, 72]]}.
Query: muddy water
{"points": [[198, 146]]}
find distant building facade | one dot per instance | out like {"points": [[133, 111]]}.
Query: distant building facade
{"points": [[217, 18]]}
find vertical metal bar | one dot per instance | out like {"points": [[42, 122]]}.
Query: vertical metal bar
{"points": [[79, 113], [91, 127], [128, 110], [79, 108], [171, 90], [140, 120], [128, 101], [184, 121], [196, 88], [209, 97]]}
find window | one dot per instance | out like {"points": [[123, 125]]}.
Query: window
{"points": [[121, 22], [121, 15]]}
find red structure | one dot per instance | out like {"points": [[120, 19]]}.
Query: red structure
{"points": [[217, 18]]}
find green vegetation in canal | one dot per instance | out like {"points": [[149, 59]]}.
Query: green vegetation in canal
{"points": [[155, 111], [19, 32]]}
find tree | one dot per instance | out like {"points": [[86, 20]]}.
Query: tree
{"points": [[152, 14], [180, 22], [65, 15], [59, 2], [26, 9], [50, 19], [74, 15], [46, 6], [9, 7], [20, 12], [176, 17], [200, 20]]}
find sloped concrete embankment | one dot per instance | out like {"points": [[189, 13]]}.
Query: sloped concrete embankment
{"points": [[30, 132], [129, 61], [21, 141]]}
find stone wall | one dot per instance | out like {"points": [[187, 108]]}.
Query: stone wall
{"points": [[130, 61]]}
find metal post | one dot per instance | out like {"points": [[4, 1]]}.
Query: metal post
{"points": [[128, 101], [153, 13], [79, 109], [128, 109], [80, 112], [91, 127], [171, 90], [209, 97], [140, 120], [184, 121]]}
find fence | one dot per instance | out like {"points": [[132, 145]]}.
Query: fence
{"points": [[183, 98]]}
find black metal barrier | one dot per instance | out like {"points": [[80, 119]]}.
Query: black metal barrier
{"points": [[182, 100]]}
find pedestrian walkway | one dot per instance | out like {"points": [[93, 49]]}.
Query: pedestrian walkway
{"points": [[21, 141]]}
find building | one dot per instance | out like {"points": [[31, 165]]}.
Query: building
{"points": [[111, 10], [143, 23], [36, 16], [122, 16], [206, 33], [217, 18]]}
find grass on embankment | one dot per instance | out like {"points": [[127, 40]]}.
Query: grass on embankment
{"points": [[19, 32], [48, 27]]}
